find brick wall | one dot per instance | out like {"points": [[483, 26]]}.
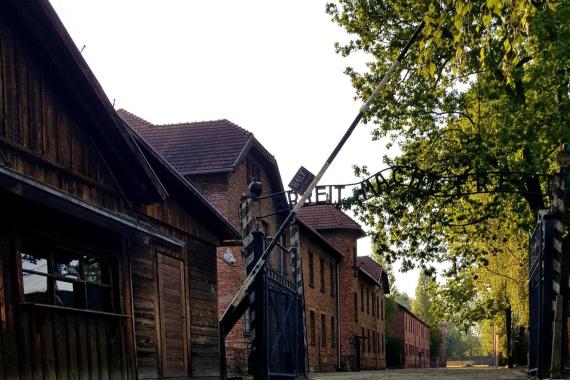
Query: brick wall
{"points": [[345, 242], [370, 312], [415, 335], [350, 280], [320, 302]]}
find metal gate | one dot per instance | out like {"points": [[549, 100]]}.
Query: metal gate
{"points": [[275, 300], [541, 296], [282, 326]]}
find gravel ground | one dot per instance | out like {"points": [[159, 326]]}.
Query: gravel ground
{"points": [[427, 373]]}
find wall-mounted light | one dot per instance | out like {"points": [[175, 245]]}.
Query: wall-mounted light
{"points": [[229, 257]]}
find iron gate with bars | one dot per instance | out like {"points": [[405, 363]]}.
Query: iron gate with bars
{"points": [[282, 326], [541, 296], [276, 304]]}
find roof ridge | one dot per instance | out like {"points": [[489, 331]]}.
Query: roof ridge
{"points": [[205, 122], [122, 110]]}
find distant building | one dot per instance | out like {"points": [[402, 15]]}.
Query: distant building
{"points": [[414, 335]]}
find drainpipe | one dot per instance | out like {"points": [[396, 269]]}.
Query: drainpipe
{"points": [[338, 363]]}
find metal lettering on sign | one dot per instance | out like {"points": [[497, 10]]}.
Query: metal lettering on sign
{"points": [[301, 181]]}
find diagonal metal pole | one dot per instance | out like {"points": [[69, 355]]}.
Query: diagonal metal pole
{"points": [[241, 294]]}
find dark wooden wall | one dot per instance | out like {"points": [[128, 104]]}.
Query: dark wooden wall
{"points": [[44, 137], [40, 135], [205, 352], [47, 343]]}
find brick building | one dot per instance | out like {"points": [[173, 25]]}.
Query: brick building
{"points": [[361, 284], [321, 261], [220, 158], [415, 337]]}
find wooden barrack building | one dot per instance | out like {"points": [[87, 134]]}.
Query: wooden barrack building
{"points": [[107, 255]]}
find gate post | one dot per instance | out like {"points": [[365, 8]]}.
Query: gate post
{"points": [[560, 276]]}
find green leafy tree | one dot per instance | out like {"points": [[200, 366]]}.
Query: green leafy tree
{"points": [[403, 299], [422, 303], [485, 89], [495, 98]]}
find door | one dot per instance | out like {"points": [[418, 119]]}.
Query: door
{"points": [[172, 299]]}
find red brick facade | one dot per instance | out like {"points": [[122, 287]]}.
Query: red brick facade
{"points": [[362, 334], [415, 336], [320, 262]]}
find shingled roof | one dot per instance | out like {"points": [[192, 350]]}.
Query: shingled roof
{"points": [[370, 267], [194, 148], [327, 217]]}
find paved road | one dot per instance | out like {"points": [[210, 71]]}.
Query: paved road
{"points": [[427, 373]]}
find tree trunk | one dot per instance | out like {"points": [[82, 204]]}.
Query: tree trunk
{"points": [[508, 314]]}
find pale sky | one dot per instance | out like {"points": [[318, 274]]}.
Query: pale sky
{"points": [[268, 66]]}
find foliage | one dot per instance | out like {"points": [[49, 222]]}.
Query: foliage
{"points": [[403, 299], [494, 284], [390, 307], [487, 114], [434, 342], [422, 303], [485, 89], [462, 345]]}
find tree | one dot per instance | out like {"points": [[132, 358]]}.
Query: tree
{"points": [[486, 89], [402, 298], [422, 303], [496, 99]]}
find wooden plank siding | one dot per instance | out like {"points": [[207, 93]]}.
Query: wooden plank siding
{"points": [[204, 334], [172, 296], [40, 137], [167, 319]]}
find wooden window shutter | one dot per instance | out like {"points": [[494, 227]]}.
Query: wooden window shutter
{"points": [[172, 298]]}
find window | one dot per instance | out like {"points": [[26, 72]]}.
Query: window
{"points": [[380, 348], [313, 328], [383, 343], [252, 171], [355, 306], [322, 278], [333, 333], [369, 341], [368, 300], [311, 269], [382, 308], [361, 297], [374, 347], [373, 304], [323, 330], [247, 323], [53, 275], [332, 274]]}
